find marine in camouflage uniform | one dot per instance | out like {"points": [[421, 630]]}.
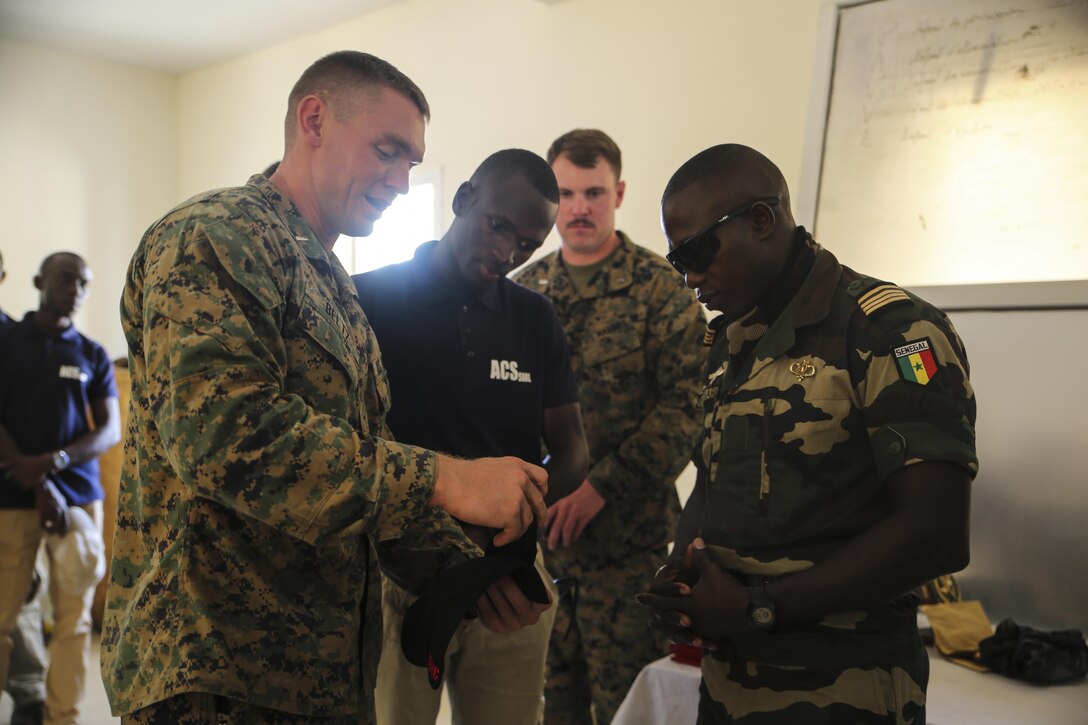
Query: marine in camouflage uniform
{"points": [[257, 467], [258, 471], [833, 384], [634, 336]]}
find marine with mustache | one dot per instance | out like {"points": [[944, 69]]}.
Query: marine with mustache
{"points": [[635, 338]]}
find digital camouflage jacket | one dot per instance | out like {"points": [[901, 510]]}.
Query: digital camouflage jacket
{"points": [[257, 468], [635, 335]]}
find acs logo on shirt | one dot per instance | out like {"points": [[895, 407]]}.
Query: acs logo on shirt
{"points": [[508, 370]]}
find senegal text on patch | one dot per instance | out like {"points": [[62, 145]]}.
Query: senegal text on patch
{"points": [[508, 370], [911, 348]]}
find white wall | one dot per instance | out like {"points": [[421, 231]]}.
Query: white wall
{"points": [[94, 151], [665, 79], [89, 160]]}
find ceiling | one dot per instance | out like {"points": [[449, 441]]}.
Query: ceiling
{"points": [[171, 35]]}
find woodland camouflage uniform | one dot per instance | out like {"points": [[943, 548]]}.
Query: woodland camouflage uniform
{"points": [[806, 414], [258, 468], [634, 332]]}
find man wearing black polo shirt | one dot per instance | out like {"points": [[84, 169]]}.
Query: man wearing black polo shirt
{"points": [[478, 366], [50, 375]]}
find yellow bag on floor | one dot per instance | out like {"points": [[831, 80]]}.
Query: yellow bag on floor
{"points": [[958, 627]]}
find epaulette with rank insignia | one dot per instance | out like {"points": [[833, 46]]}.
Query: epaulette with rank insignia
{"points": [[873, 294], [712, 328]]}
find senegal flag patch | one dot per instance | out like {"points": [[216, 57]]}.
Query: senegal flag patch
{"points": [[915, 360]]}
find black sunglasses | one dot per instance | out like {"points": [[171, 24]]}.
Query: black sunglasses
{"points": [[695, 253]]}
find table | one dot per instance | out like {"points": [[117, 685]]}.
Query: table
{"points": [[667, 693], [664, 693]]}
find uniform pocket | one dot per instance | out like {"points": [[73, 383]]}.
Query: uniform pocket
{"points": [[318, 320], [739, 460], [607, 350]]}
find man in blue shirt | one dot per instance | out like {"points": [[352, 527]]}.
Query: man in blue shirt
{"points": [[50, 377], [478, 366]]}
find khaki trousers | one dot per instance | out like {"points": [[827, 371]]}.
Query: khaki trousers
{"points": [[70, 646], [493, 679], [26, 666]]}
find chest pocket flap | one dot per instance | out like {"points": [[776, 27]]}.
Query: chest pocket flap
{"points": [[614, 342], [321, 321]]}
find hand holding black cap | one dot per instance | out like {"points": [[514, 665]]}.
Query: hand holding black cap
{"points": [[432, 619]]}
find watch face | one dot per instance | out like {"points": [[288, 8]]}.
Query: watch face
{"points": [[762, 616]]}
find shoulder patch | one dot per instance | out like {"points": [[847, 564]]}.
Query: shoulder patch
{"points": [[882, 295], [915, 361]]}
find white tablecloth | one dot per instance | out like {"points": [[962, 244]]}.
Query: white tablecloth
{"points": [[667, 693], [664, 693]]}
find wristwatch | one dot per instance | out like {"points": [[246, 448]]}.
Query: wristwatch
{"points": [[761, 610], [61, 460]]}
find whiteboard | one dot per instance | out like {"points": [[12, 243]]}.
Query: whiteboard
{"points": [[955, 143]]}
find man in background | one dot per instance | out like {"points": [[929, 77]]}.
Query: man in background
{"points": [[26, 663], [478, 366], [259, 473], [634, 334], [835, 464], [58, 413]]}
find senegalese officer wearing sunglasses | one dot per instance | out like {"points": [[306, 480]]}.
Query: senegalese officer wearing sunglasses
{"points": [[834, 468]]}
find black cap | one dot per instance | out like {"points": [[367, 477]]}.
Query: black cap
{"points": [[432, 619]]}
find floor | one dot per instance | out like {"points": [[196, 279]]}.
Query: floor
{"points": [[96, 709]]}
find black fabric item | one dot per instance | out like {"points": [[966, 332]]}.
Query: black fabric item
{"points": [[432, 619], [1028, 654]]}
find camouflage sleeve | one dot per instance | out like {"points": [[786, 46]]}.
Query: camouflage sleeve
{"points": [[918, 400], [433, 542], [216, 360], [422, 552], [663, 442]]}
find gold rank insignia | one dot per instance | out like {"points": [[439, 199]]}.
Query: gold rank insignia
{"points": [[881, 296], [803, 369]]}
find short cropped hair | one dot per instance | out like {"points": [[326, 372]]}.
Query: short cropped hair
{"points": [[48, 261], [584, 146], [508, 162], [335, 75], [735, 166]]}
